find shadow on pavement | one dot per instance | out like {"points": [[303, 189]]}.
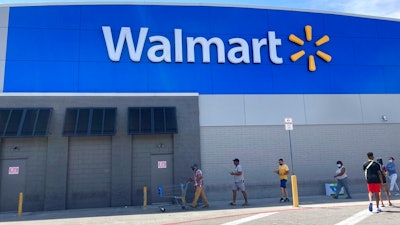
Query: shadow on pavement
{"points": [[154, 209]]}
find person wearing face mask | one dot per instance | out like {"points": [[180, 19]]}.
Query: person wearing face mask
{"points": [[342, 180], [391, 169]]}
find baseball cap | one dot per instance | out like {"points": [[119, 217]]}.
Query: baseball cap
{"points": [[236, 160], [194, 165]]}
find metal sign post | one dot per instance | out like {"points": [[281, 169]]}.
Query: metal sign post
{"points": [[289, 127]]}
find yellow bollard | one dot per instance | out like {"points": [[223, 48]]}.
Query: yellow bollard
{"points": [[144, 197], [20, 201], [295, 195]]}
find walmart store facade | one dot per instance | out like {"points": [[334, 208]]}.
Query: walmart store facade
{"points": [[99, 101]]}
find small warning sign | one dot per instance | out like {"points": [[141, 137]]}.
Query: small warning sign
{"points": [[288, 123], [162, 164], [14, 170]]}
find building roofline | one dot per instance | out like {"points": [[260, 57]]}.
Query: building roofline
{"points": [[195, 4], [103, 94]]}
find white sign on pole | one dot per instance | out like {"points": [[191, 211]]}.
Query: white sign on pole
{"points": [[288, 126], [288, 120], [288, 123]]}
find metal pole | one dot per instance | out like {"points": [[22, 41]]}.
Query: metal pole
{"points": [[291, 153]]}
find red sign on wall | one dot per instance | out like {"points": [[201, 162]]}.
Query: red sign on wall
{"points": [[13, 170], [162, 164]]}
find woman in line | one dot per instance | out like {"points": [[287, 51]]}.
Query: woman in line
{"points": [[384, 186], [341, 178], [391, 168]]}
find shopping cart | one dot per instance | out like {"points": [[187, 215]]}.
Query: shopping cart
{"points": [[177, 193]]}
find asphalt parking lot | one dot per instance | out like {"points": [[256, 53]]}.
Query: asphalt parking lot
{"points": [[311, 210]]}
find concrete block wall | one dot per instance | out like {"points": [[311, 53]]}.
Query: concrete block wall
{"points": [[35, 152], [121, 171], [120, 161], [315, 150], [89, 172], [143, 147]]}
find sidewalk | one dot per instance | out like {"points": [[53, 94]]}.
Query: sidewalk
{"points": [[58, 215]]}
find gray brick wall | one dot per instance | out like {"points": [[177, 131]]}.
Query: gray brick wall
{"points": [[99, 171], [34, 150], [315, 152], [89, 172], [54, 161]]}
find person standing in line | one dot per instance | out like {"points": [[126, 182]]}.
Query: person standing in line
{"points": [[385, 186], [342, 180], [391, 169], [283, 171], [373, 175], [199, 187], [238, 185]]}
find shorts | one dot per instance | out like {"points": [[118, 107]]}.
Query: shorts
{"points": [[374, 187], [283, 183], [239, 186]]}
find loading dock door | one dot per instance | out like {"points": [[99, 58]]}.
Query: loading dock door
{"points": [[12, 183], [161, 175]]}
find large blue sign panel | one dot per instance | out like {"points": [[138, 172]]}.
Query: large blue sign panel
{"points": [[210, 50]]}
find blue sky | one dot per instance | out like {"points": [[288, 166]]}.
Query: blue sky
{"points": [[380, 8]]}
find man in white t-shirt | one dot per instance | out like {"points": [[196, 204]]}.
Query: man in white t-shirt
{"points": [[238, 185]]}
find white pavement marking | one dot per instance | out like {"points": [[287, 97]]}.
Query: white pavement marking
{"points": [[250, 218], [355, 218]]}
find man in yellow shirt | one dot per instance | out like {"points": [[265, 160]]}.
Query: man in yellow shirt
{"points": [[283, 171]]}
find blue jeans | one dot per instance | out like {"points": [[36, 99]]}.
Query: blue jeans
{"points": [[342, 183]]}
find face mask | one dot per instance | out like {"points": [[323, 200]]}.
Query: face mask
{"points": [[390, 161], [338, 165]]}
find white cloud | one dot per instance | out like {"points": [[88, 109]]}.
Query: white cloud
{"points": [[381, 8]]}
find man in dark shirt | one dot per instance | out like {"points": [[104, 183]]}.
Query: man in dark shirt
{"points": [[374, 180]]}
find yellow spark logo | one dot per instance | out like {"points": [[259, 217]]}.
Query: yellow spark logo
{"points": [[311, 61]]}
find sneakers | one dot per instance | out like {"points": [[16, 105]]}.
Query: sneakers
{"points": [[378, 210], [205, 206], [335, 197], [234, 203], [284, 200]]}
